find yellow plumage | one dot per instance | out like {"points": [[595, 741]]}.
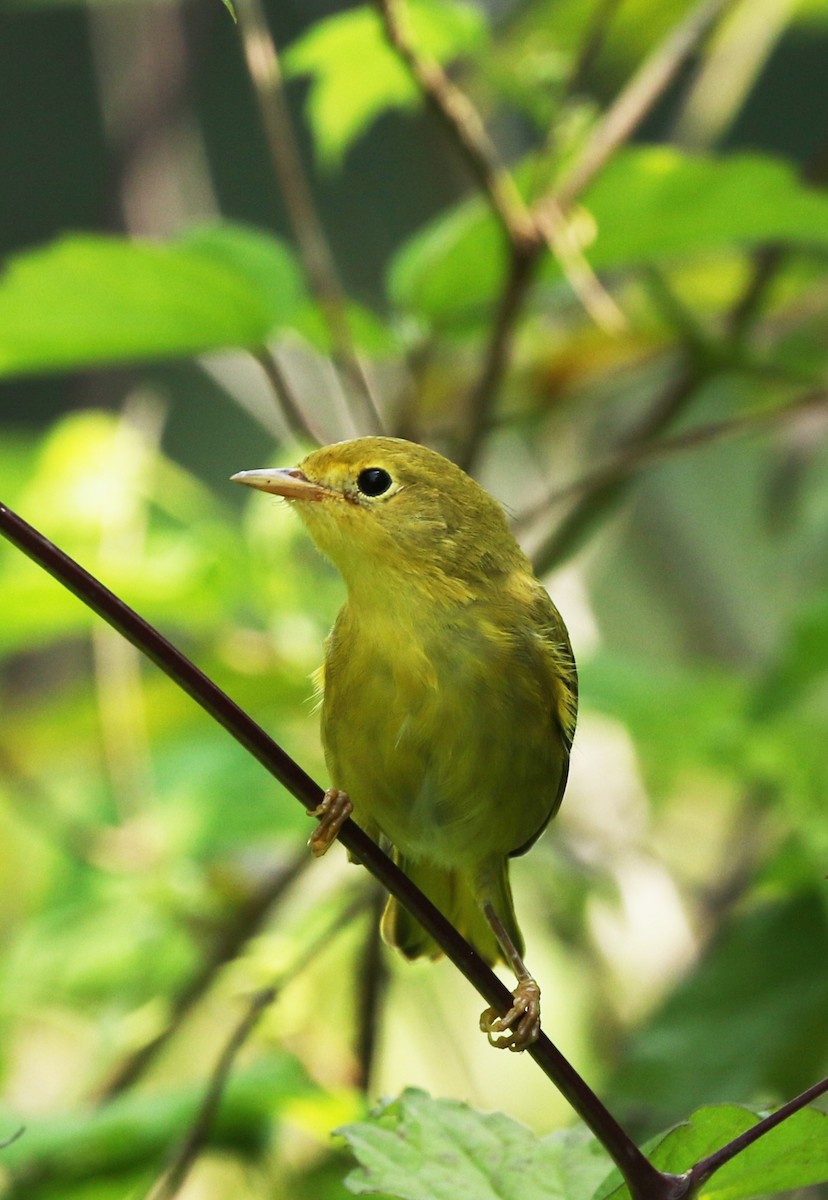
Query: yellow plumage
{"points": [[449, 683]]}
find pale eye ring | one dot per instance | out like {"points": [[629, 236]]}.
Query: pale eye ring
{"points": [[373, 481]]}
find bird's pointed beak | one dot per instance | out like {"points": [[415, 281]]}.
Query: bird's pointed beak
{"points": [[282, 481]]}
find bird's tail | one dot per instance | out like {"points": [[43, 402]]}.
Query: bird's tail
{"points": [[455, 893]]}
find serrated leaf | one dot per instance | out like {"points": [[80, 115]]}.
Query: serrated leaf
{"points": [[343, 101], [793, 1155], [418, 1148], [651, 204], [85, 300]]}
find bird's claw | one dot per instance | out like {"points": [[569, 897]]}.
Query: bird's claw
{"points": [[332, 813], [521, 1024]]}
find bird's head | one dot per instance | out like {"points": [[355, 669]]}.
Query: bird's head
{"points": [[389, 511]]}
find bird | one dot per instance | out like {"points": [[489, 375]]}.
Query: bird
{"points": [[449, 690]]}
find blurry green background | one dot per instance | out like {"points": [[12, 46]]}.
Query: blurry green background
{"points": [[675, 914]]}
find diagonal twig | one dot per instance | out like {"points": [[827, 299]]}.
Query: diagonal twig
{"points": [[299, 424], [644, 1180], [530, 230], [227, 943], [265, 72], [596, 497], [527, 231], [463, 123], [637, 99], [191, 1147], [640, 454], [706, 1167], [193, 1142]]}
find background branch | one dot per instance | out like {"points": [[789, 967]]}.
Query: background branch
{"points": [[265, 71], [194, 1140], [598, 492], [227, 944], [621, 466], [299, 424], [530, 230], [638, 98]]}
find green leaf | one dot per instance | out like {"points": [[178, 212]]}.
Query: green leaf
{"points": [[651, 204], [793, 1155], [416, 1148], [86, 300], [343, 102], [138, 1128]]}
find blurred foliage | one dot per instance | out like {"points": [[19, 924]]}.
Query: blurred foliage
{"points": [[152, 877], [414, 1148]]}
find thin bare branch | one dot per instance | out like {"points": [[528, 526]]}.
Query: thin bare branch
{"points": [[702, 1171], [193, 1143], [265, 72], [299, 424], [527, 232], [594, 499], [173, 1180], [465, 128], [641, 454], [226, 944], [638, 97]]}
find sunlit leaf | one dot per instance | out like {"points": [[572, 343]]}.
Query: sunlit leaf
{"points": [[86, 300], [419, 1148], [342, 101]]}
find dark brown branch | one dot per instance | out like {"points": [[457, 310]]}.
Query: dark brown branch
{"points": [[644, 1181], [265, 72], [702, 1171], [464, 126]]}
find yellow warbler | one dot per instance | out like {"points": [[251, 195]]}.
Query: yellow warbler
{"points": [[450, 690]]}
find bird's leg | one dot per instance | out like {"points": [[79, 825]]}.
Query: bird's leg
{"points": [[521, 1024], [333, 812]]}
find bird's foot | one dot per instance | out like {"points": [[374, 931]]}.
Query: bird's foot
{"points": [[521, 1024], [333, 812]]}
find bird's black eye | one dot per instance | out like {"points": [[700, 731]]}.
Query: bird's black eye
{"points": [[373, 481]]}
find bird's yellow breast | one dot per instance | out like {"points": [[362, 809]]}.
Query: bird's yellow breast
{"points": [[445, 725]]}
